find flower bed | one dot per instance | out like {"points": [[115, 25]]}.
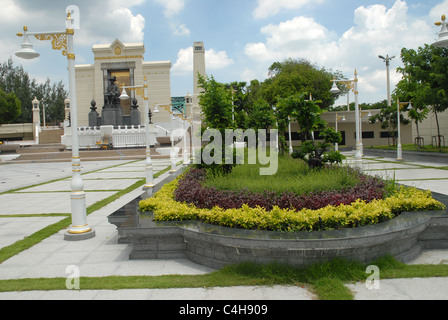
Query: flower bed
{"points": [[191, 190], [358, 212]]}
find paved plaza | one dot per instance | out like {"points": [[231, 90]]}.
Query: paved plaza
{"points": [[36, 195]]}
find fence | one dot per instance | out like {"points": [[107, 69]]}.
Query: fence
{"points": [[122, 137]]}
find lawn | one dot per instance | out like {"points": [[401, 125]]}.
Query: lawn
{"points": [[293, 175]]}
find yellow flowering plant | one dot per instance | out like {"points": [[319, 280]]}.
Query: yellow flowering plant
{"points": [[359, 213]]}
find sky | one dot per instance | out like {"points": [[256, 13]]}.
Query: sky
{"points": [[242, 38]]}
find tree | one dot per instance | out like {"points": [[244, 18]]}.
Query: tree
{"points": [[15, 79], [10, 107], [407, 91], [261, 115], [299, 76], [426, 79], [216, 104], [307, 113], [388, 118]]}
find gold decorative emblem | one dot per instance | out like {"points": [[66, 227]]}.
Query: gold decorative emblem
{"points": [[117, 51]]}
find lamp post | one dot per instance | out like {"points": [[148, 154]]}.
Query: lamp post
{"points": [[387, 59], [335, 90], [149, 171], [63, 40], [399, 147], [336, 145], [443, 34], [290, 140]]}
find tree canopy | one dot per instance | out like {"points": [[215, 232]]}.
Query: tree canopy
{"points": [[14, 79], [10, 107], [425, 80]]}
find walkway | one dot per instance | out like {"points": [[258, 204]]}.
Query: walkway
{"points": [[36, 195]]}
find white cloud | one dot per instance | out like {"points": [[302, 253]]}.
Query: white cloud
{"points": [[266, 8], [376, 30], [172, 7], [181, 30], [117, 22], [11, 12], [248, 75], [300, 35], [214, 60]]}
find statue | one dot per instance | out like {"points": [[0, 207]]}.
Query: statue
{"points": [[112, 95], [112, 113]]}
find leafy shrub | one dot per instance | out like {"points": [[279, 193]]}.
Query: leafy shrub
{"points": [[358, 213]]}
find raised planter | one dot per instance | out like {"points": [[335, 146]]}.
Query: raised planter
{"points": [[213, 246]]}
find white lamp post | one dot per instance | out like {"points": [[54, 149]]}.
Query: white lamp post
{"points": [[387, 60], [443, 34], [79, 229], [336, 145], [149, 171], [290, 140], [399, 147], [335, 90]]}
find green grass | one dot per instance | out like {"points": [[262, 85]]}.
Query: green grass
{"points": [[411, 147], [326, 280], [292, 175]]}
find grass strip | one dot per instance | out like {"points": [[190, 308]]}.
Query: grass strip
{"points": [[327, 280]]}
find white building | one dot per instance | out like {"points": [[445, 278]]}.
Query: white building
{"points": [[126, 62]]}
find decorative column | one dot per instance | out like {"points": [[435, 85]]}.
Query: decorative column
{"points": [[79, 229], [149, 127]]}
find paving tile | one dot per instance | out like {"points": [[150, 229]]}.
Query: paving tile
{"points": [[40, 203], [15, 229]]}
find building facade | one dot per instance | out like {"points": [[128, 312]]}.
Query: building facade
{"points": [[125, 61]]}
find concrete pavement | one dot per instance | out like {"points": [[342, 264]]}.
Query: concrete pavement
{"points": [[20, 216]]}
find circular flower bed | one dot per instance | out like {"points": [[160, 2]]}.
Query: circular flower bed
{"points": [[186, 199]]}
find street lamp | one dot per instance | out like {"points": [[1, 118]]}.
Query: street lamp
{"points": [[399, 148], [443, 35], [387, 60], [149, 171], [290, 140], [336, 145], [335, 90], [63, 40]]}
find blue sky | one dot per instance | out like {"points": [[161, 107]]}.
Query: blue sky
{"points": [[242, 38]]}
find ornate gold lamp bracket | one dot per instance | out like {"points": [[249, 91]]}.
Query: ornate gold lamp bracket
{"points": [[58, 41]]}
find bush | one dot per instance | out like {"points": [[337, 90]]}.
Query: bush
{"points": [[192, 189], [358, 213]]}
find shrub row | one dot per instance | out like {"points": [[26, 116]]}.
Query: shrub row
{"points": [[191, 190], [359, 213]]}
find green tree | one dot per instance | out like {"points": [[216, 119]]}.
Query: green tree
{"points": [[407, 91], [15, 79], [426, 79], [388, 117], [261, 115], [216, 104], [307, 114], [10, 107], [299, 76]]}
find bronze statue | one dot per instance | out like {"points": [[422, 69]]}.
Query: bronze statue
{"points": [[112, 95]]}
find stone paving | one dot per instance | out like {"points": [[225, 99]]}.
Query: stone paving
{"points": [[21, 214]]}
